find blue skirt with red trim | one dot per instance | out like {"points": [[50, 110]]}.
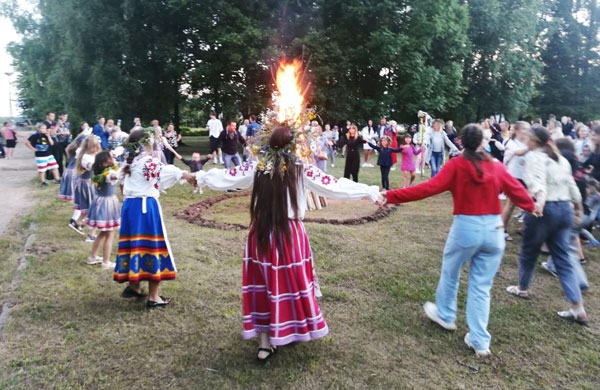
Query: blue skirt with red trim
{"points": [[144, 252]]}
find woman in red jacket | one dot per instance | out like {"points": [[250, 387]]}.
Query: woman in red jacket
{"points": [[475, 181]]}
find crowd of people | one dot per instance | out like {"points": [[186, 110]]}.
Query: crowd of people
{"points": [[550, 174]]}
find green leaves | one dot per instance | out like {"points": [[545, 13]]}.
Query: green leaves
{"points": [[368, 58]]}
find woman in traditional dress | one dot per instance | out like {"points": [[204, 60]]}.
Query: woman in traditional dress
{"points": [[144, 253], [278, 278]]}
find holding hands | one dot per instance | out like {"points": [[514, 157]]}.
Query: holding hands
{"points": [[190, 178]]}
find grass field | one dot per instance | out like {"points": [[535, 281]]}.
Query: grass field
{"points": [[71, 330]]}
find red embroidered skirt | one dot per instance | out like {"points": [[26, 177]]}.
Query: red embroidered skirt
{"points": [[278, 290]]}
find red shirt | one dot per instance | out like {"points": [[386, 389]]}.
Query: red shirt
{"points": [[472, 194]]}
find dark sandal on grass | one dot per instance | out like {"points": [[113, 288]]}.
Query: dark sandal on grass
{"points": [[131, 293], [154, 304], [571, 315], [272, 351]]}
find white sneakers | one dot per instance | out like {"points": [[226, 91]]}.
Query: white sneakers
{"points": [[94, 260], [431, 312], [98, 260], [478, 352], [110, 265]]}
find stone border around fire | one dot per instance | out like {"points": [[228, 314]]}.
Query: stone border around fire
{"points": [[193, 214]]}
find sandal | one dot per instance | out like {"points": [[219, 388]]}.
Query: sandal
{"points": [[131, 293], [272, 351], [514, 290], [154, 304], [507, 237], [571, 315]]}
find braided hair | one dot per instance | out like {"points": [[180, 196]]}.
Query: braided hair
{"points": [[471, 141]]}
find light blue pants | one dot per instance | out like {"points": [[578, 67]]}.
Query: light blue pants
{"points": [[228, 159], [479, 238]]}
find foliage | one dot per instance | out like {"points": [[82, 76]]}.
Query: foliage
{"points": [[571, 62], [177, 60], [503, 68]]}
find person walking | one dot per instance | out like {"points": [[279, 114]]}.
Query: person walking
{"points": [[215, 128], [474, 179], [550, 181]]}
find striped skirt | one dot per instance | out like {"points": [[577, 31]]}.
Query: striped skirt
{"points": [[66, 185], [278, 290], [83, 194], [144, 252], [104, 213]]}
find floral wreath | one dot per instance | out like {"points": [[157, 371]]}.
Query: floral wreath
{"points": [[136, 147], [299, 150], [100, 178]]}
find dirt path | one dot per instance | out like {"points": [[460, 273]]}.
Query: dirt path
{"points": [[15, 183]]}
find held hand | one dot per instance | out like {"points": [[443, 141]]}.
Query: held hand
{"points": [[190, 178], [577, 219], [178, 156], [382, 199], [538, 211]]}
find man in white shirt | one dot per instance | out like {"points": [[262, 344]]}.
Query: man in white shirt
{"points": [[243, 127], [215, 127]]}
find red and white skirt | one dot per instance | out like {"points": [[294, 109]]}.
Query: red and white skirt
{"points": [[278, 290]]}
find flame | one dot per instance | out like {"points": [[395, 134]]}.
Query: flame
{"points": [[290, 100]]}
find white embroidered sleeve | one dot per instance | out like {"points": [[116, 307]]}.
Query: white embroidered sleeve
{"points": [[228, 179], [162, 176], [328, 186]]}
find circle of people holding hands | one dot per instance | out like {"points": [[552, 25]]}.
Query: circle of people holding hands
{"points": [[550, 174]]}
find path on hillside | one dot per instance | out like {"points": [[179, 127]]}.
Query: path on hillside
{"points": [[16, 174]]}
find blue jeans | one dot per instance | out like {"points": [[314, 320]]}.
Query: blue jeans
{"points": [[479, 238], [331, 154], [436, 162], [554, 228], [231, 158], [574, 260]]}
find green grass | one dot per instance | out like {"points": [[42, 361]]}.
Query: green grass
{"points": [[71, 330]]}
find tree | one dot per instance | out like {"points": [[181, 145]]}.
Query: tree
{"points": [[503, 68], [571, 73]]}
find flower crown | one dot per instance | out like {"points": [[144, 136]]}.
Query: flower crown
{"points": [[136, 147], [299, 150]]}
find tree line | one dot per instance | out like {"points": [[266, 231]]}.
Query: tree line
{"points": [[176, 60]]}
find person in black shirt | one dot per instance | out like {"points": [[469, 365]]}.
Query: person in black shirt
{"points": [[40, 142], [352, 141], [230, 139]]}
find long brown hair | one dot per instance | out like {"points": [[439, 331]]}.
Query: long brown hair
{"points": [[541, 136], [471, 141], [269, 203]]}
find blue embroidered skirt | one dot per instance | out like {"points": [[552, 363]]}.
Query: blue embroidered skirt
{"points": [[144, 252]]}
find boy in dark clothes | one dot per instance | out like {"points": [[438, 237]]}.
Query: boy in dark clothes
{"points": [[196, 164]]}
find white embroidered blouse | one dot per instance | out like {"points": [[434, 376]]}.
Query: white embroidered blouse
{"points": [[313, 179], [149, 177]]}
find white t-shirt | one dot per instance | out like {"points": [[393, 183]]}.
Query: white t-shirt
{"points": [[368, 136], [242, 129], [215, 127], [514, 164]]}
